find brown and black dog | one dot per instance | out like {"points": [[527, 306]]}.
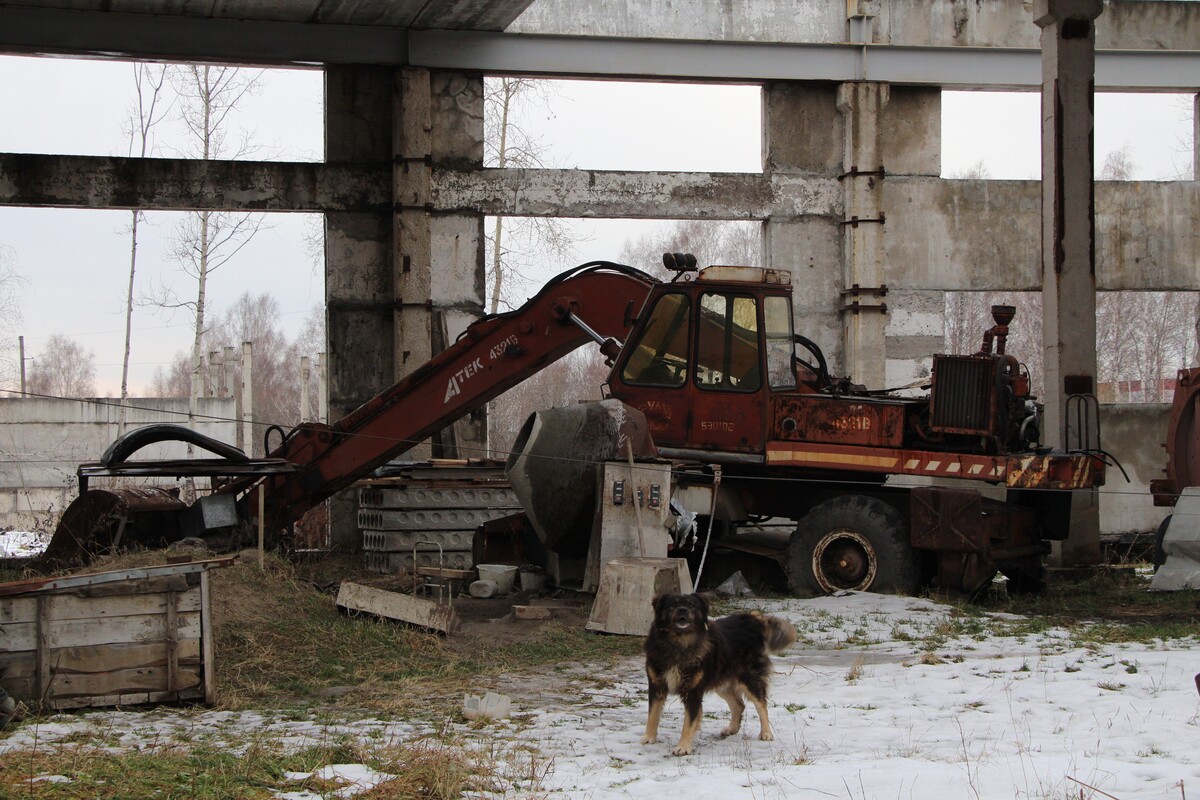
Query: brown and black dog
{"points": [[690, 655]]}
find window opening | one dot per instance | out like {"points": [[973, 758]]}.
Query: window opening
{"points": [[727, 343], [659, 358], [777, 324]]}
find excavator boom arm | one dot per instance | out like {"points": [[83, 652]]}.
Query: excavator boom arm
{"points": [[492, 355]]}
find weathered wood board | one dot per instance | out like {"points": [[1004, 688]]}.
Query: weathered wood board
{"points": [[397, 606], [117, 638]]}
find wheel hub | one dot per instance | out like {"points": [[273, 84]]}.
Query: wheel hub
{"points": [[844, 559]]}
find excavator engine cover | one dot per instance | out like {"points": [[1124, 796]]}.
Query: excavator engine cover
{"points": [[554, 462]]}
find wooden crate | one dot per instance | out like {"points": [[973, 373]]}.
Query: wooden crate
{"points": [[125, 637]]}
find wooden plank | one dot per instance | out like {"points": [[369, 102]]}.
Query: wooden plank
{"points": [[128, 699], [123, 681], [83, 633], [172, 643], [42, 644], [98, 658], [18, 609], [532, 612], [68, 606], [154, 585], [21, 688], [206, 631], [397, 606], [138, 573]]}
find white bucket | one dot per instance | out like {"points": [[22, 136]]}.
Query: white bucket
{"points": [[533, 582], [503, 575]]}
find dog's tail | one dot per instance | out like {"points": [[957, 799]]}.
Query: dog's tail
{"points": [[781, 634]]}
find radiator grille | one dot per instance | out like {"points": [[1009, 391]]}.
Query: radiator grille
{"points": [[963, 394]]}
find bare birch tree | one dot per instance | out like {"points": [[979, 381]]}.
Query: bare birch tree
{"points": [[148, 80], [517, 245], [204, 241]]}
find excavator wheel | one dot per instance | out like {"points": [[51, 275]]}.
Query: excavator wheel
{"points": [[854, 543]]}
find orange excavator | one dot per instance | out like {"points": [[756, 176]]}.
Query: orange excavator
{"points": [[706, 372]]}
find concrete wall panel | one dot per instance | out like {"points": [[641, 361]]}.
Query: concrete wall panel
{"points": [[912, 124], [43, 441], [976, 235], [456, 114], [959, 235], [457, 262], [1147, 235], [1133, 433], [802, 128], [811, 250]]}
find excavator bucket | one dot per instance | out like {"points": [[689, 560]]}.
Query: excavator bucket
{"points": [[101, 520]]}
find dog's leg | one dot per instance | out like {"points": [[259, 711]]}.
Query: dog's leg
{"points": [[658, 698], [764, 724], [693, 710], [733, 696]]}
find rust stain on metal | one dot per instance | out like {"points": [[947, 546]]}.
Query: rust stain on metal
{"points": [[813, 418]]}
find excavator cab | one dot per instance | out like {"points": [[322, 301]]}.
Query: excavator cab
{"points": [[705, 355]]}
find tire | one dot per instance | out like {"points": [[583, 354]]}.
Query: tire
{"points": [[852, 543]]}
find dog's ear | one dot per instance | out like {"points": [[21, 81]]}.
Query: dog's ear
{"points": [[703, 604], [657, 601]]}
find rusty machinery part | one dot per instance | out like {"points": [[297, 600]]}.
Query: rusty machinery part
{"points": [[852, 542], [125, 446], [554, 461], [100, 520], [818, 367], [1183, 441]]}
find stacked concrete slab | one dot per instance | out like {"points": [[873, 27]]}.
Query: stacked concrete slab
{"points": [[416, 513]]}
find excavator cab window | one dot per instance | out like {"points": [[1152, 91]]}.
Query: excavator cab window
{"points": [[727, 343], [777, 324], [659, 356]]}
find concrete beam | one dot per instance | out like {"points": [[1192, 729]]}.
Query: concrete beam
{"points": [[953, 235], [190, 184], [665, 195]]}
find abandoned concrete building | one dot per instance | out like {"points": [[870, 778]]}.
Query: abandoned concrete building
{"points": [[850, 197]]}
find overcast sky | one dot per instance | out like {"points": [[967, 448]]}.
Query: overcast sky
{"points": [[77, 261]]}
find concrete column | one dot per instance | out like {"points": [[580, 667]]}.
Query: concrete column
{"points": [[1068, 238], [863, 305], [439, 255], [412, 145], [359, 286], [802, 134], [457, 248], [359, 281], [912, 146]]}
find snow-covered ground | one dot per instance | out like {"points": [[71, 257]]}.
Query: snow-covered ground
{"points": [[22, 544], [1028, 716], [883, 697]]}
